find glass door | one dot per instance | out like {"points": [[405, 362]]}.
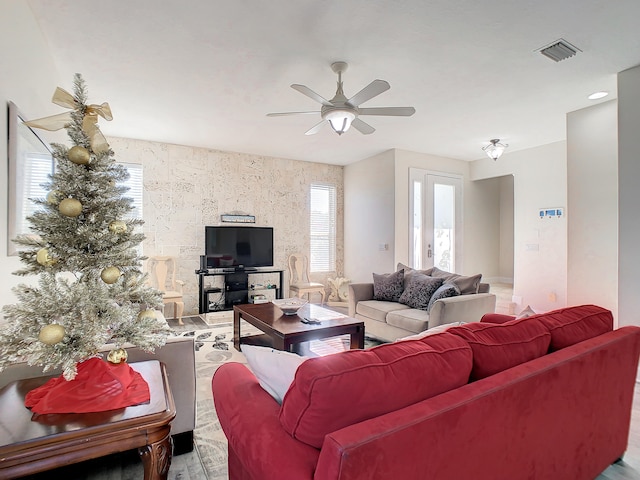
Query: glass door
{"points": [[436, 220]]}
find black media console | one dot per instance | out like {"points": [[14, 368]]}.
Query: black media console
{"points": [[235, 289]]}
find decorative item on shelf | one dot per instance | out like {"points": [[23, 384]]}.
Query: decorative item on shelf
{"points": [[237, 218], [495, 149], [339, 291], [258, 298], [289, 306], [117, 355]]}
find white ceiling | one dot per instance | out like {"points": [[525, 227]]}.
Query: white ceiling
{"points": [[206, 73]]}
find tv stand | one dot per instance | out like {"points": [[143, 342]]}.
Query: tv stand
{"points": [[235, 290]]}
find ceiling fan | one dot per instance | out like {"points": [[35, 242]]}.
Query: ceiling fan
{"points": [[342, 112]]}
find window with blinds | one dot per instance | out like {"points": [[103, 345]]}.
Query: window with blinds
{"points": [[135, 188], [322, 222], [36, 169]]}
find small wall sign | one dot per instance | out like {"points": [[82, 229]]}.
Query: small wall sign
{"points": [[234, 218], [555, 212]]}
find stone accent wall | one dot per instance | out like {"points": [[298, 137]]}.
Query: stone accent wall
{"points": [[187, 188]]}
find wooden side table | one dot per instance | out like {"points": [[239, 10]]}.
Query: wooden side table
{"points": [[32, 443]]}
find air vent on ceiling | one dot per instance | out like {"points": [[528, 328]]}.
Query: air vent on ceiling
{"points": [[559, 50]]}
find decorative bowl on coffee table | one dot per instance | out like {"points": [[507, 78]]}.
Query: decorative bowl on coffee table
{"points": [[289, 306]]}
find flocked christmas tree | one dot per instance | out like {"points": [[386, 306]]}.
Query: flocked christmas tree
{"points": [[91, 289]]}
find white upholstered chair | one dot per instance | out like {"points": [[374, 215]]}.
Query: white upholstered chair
{"points": [[299, 283], [162, 274]]}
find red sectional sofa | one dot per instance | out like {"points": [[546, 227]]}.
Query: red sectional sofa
{"points": [[546, 397]]}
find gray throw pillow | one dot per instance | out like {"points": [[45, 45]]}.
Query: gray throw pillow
{"points": [[409, 271], [466, 285], [446, 290], [419, 291], [388, 286]]}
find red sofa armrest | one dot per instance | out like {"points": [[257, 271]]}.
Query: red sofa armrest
{"points": [[249, 418], [496, 318]]}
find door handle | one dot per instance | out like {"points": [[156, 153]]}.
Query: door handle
{"points": [[429, 253]]}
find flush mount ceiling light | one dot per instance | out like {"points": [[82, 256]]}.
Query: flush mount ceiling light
{"points": [[495, 149], [597, 95]]}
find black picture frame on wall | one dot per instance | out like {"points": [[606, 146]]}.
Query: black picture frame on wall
{"points": [[30, 163]]}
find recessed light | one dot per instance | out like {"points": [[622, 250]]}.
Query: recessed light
{"points": [[597, 95]]}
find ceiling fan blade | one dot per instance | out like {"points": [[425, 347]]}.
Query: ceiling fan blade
{"points": [[367, 93], [394, 111], [362, 127], [313, 130], [281, 114], [311, 94]]}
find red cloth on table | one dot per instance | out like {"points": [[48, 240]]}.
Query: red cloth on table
{"points": [[99, 386]]}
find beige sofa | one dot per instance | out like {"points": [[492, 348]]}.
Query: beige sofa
{"points": [[178, 355], [392, 320]]}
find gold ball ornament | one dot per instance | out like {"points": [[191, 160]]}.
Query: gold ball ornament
{"points": [[54, 197], [51, 334], [117, 355], [79, 155], [43, 258], [147, 314], [118, 227], [110, 275], [70, 207]]}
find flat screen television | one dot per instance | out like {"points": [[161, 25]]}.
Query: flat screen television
{"points": [[239, 247]]}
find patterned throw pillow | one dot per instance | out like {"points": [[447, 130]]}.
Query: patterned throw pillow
{"points": [[419, 291], [408, 272], [446, 290], [466, 285], [388, 286]]}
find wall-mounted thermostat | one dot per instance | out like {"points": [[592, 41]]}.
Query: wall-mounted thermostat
{"points": [[556, 212]]}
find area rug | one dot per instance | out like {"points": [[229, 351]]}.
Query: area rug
{"points": [[214, 346]]}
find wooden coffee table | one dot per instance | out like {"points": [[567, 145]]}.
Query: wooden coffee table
{"points": [[31, 443], [287, 332]]}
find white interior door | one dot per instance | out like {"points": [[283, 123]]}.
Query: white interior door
{"points": [[436, 221]]}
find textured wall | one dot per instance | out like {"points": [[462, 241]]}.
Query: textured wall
{"points": [[187, 188]]}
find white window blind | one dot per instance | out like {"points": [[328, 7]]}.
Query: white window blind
{"points": [[135, 188], [36, 169], [322, 228]]}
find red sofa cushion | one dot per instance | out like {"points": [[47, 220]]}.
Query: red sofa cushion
{"points": [[497, 318], [335, 391], [497, 347], [571, 325]]}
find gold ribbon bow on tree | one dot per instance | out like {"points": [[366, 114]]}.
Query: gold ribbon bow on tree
{"points": [[89, 122]]}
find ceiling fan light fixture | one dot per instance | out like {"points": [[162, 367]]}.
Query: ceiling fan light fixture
{"points": [[495, 149], [340, 120]]}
